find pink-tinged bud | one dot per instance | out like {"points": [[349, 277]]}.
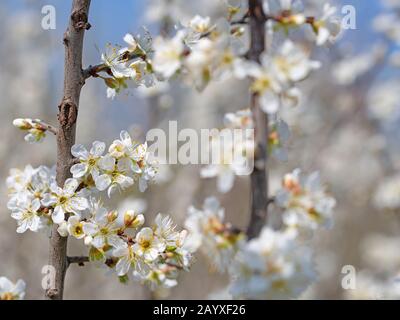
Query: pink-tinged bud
{"points": [[112, 215]]}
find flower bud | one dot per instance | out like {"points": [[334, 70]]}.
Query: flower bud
{"points": [[23, 124], [132, 219], [112, 215]]}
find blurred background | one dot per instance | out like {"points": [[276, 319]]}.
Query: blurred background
{"points": [[347, 127]]}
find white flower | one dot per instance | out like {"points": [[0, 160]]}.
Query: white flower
{"points": [[103, 230], [113, 175], [147, 245], [26, 189], [122, 147], [327, 27], [211, 235], [127, 258], [143, 167], [88, 160], [292, 63], [64, 200], [34, 182], [231, 156], [306, 203], [265, 84], [26, 212], [131, 41], [75, 227], [200, 62], [119, 68], [271, 266], [168, 55], [200, 24], [11, 291], [164, 229]]}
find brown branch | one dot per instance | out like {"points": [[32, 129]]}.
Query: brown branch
{"points": [[67, 116], [46, 127], [78, 260], [259, 176]]}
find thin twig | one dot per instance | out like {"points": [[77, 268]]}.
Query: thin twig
{"points": [[80, 260], [46, 126]]}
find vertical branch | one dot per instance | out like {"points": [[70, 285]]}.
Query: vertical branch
{"points": [[259, 177], [67, 116]]}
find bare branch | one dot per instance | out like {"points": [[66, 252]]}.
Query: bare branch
{"points": [[78, 260], [67, 116], [259, 176]]}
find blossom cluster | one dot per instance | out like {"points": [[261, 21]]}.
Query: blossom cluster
{"points": [[120, 241], [117, 239], [203, 50], [36, 201], [305, 202], [277, 264], [128, 65], [125, 162], [10, 290], [272, 266], [26, 189], [211, 235]]}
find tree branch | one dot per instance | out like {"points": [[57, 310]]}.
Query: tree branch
{"points": [[67, 116], [79, 260], [259, 176]]}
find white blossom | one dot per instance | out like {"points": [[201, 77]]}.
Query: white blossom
{"points": [[64, 200], [147, 245], [209, 233], [271, 266], [10, 290], [89, 160], [307, 205], [168, 55]]}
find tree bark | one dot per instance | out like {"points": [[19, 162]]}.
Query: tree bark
{"points": [[67, 116], [259, 177]]}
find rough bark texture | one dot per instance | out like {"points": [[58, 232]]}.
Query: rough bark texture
{"points": [[67, 116], [259, 177]]}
